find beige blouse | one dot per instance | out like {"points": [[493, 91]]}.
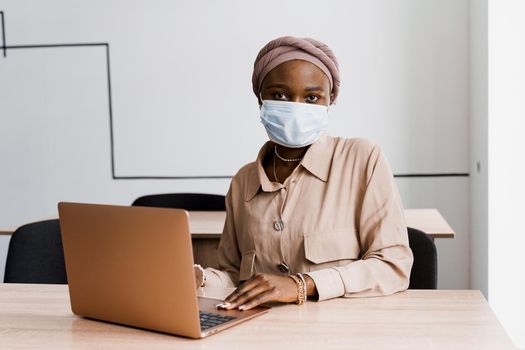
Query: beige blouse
{"points": [[338, 218]]}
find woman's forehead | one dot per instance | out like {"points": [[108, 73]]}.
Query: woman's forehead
{"points": [[297, 72]]}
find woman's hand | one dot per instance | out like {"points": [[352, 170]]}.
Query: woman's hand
{"points": [[262, 288]]}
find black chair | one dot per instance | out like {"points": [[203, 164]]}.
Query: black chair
{"points": [[424, 269], [188, 201], [36, 255]]}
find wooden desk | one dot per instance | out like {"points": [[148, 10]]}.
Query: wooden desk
{"points": [[39, 316]]}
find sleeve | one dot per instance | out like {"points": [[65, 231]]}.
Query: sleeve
{"points": [[386, 257], [228, 254]]}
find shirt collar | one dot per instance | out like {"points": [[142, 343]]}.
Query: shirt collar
{"points": [[318, 158], [317, 161]]}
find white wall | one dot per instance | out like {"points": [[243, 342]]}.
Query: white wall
{"points": [[507, 164], [478, 145], [183, 104], [451, 197]]}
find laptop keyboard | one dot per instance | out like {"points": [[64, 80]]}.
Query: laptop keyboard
{"points": [[209, 319]]}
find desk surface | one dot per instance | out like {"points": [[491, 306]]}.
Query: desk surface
{"points": [[39, 316], [209, 224]]}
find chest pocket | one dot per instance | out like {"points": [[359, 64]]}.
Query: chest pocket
{"points": [[326, 246]]}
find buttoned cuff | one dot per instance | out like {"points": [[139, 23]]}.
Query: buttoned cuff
{"points": [[328, 283], [218, 279]]}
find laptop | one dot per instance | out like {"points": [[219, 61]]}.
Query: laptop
{"points": [[134, 266]]}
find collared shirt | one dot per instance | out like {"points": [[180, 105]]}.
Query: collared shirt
{"points": [[338, 218]]}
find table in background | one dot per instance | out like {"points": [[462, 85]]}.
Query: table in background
{"points": [[39, 317], [206, 229]]}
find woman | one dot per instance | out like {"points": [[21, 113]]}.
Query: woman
{"points": [[314, 216]]}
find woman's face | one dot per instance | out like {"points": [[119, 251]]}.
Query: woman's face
{"points": [[297, 81]]}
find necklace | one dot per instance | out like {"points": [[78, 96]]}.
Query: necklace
{"points": [[274, 172], [285, 159]]}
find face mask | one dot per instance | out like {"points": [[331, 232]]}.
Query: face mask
{"points": [[293, 124]]}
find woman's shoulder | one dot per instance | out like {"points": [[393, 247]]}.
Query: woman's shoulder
{"points": [[356, 147], [246, 170], [246, 174]]}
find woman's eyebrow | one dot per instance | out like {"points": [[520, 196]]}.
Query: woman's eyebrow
{"points": [[313, 88], [277, 85]]}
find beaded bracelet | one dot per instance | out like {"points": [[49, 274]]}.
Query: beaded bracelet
{"points": [[301, 297], [305, 289]]}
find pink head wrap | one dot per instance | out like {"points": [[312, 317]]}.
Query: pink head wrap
{"points": [[289, 48]]}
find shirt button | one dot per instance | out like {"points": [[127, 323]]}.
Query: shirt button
{"points": [[283, 268], [278, 225]]}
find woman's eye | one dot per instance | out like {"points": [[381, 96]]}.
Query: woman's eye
{"points": [[279, 96], [312, 98]]}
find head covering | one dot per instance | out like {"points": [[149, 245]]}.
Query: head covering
{"points": [[289, 48]]}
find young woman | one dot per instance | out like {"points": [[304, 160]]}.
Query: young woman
{"points": [[314, 216]]}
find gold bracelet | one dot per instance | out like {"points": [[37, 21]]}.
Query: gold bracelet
{"points": [[300, 289], [305, 287]]}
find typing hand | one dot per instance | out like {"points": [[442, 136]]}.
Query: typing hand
{"points": [[262, 288]]}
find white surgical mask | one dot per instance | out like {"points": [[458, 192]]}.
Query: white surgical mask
{"points": [[293, 124]]}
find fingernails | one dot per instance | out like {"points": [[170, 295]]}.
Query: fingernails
{"points": [[223, 305], [242, 307]]}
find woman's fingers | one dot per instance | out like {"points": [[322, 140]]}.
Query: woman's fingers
{"points": [[247, 296], [250, 290], [237, 292], [246, 286], [241, 289], [262, 288], [262, 298]]}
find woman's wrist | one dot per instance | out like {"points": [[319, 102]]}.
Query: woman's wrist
{"points": [[301, 288], [305, 287], [310, 286]]}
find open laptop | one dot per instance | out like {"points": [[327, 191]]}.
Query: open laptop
{"points": [[134, 266]]}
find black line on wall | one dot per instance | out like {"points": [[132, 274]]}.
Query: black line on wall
{"points": [[3, 34], [434, 175], [50, 46], [110, 106], [229, 176], [5, 47], [108, 73], [172, 177]]}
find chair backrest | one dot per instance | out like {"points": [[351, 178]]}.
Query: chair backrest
{"points": [[188, 201], [424, 269], [36, 255]]}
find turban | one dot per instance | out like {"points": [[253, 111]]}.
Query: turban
{"points": [[289, 48]]}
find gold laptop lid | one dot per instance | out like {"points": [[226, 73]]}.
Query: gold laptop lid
{"points": [[131, 265]]}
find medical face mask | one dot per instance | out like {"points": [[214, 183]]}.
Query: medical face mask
{"points": [[293, 124]]}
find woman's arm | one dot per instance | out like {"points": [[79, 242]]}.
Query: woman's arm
{"points": [[386, 258], [228, 254]]}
